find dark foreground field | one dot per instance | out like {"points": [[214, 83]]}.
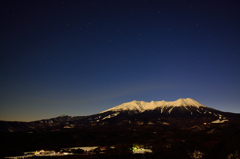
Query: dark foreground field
{"points": [[218, 141]]}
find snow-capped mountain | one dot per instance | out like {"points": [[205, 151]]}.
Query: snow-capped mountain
{"points": [[179, 108], [142, 106], [154, 111], [182, 112]]}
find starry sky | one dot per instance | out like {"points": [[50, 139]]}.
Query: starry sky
{"points": [[81, 57]]}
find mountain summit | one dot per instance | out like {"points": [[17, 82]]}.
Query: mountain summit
{"points": [[142, 106]]}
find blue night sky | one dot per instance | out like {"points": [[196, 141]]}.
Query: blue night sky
{"points": [[81, 57]]}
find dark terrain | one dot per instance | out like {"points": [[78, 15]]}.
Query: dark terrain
{"points": [[174, 132], [215, 140]]}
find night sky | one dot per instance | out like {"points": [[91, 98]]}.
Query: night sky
{"points": [[81, 57]]}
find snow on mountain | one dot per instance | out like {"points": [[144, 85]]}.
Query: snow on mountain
{"points": [[110, 116], [219, 121], [142, 106]]}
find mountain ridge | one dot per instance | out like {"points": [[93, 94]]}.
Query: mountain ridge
{"points": [[180, 113]]}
